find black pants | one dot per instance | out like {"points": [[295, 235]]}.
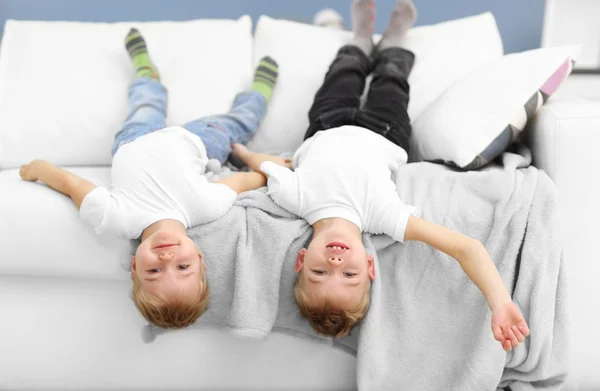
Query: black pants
{"points": [[337, 102]]}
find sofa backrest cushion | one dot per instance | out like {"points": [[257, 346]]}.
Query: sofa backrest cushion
{"points": [[63, 85], [444, 52]]}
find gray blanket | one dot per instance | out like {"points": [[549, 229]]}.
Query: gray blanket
{"points": [[428, 327]]}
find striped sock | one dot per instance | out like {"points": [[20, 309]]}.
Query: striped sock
{"points": [[265, 77], [138, 51]]}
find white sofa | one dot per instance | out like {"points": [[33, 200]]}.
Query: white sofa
{"points": [[66, 321]]}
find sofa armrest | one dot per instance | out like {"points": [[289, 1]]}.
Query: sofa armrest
{"points": [[565, 130], [565, 141]]}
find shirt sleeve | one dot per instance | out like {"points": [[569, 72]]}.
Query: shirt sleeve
{"points": [[101, 210], [282, 186], [218, 198], [390, 218]]}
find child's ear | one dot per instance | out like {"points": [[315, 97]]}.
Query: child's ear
{"points": [[201, 258], [371, 267], [300, 260], [133, 267]]}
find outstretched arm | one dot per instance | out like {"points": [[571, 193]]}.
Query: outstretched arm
{"points": [[58, 179], [244, 181], [508, 325]]}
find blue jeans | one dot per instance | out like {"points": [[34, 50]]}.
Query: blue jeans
{"points": [[148, 111]]}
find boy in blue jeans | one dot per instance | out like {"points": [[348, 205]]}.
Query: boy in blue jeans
{"points": [[159, 188]]}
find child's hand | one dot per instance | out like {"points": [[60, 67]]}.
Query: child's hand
{"points": [[255, 159], [282, 162], [30, 172], [509, 326]]}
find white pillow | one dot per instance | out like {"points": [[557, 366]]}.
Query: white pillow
{"points": [[444, 52], [477, 118], [63, 85]]}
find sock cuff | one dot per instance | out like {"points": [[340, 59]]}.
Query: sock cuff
{"points": [[263, 88]]}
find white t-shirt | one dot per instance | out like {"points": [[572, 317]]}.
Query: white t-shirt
{"points": [[344, 172], [156, 177]]}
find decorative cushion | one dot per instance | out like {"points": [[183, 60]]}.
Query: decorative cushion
{"points": [[476, 119]]}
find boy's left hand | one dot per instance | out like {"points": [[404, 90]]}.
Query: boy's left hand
{"points": [[509, 326]]}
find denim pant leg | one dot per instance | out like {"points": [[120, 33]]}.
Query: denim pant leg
{"points": [[218, 132], [147, 111]]}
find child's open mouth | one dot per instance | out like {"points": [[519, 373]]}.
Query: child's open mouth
{"points": [[337, 246]]}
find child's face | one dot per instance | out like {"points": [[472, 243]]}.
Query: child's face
{"points": [[335, 265], [168, 264]]}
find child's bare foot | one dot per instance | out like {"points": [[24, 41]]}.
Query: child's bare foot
{"points": [[255, 159], [363, 16], [403, 18]]}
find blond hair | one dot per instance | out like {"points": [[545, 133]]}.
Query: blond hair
{"points": [[327, 318], [170, 314]]}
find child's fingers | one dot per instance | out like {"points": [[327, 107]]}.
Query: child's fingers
{"points": [[518, 334], [524, 329], [513, 338], [24, 173], [507, 345], [498, 334]]}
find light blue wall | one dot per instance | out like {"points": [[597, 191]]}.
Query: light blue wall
{"points": [[520, 21]]}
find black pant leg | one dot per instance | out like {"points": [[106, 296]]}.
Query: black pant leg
{"points": [[338, 99], [387, 101]]}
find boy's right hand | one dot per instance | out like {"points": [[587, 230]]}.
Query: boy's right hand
{"points": [[31, 172]]}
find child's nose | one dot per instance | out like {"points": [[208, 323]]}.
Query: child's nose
{"points": [[166, 257], [335, 261]]}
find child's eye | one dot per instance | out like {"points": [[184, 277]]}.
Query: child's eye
{"points": [[319, 272], [182, 267], [154, 270], [348, 274]]}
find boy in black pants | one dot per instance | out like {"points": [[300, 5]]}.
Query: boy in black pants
{"points": [[342, 185], [337, 101]]}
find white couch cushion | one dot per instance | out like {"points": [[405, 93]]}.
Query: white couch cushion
{"points": [[63, 85], [74, 334], [41, 233], [444, 52]]}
